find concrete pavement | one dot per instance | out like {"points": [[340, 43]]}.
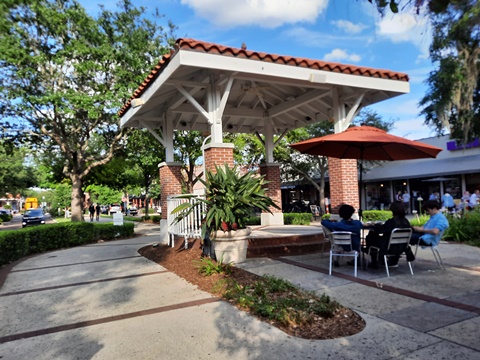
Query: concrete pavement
{"points": [[104, 301]]}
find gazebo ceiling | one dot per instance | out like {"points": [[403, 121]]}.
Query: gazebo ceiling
{"points": [[286, 91]]}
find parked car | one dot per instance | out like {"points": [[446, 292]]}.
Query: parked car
{"points": [[115, 208], [5, 211], [133, 210], [104, 209], [33, 217]]}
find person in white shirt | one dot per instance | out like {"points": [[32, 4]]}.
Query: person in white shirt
{"points": [[406, 201], [474, 198]]}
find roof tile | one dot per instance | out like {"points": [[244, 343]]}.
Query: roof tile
{"points": [[211, 48]]}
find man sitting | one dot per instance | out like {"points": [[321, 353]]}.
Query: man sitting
{"points": [[346, 224], [429, 234]]}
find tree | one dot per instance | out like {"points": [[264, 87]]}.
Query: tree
{"points": [[15, 175], [145, 153], [188, 145], [435, 6], [451, 101], [452, 98], [64, 75]]}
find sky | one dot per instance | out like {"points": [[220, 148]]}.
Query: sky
{"points": [[344, 31]]}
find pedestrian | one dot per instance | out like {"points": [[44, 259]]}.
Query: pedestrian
{"points": [[91, 210], [406, 201], [97, 212]]}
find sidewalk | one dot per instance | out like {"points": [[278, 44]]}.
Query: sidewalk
{"points": [[104, 301]]}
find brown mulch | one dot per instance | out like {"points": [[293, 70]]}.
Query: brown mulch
{"points": [[184, 263]]}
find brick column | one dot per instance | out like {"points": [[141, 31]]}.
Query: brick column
{"points": [[170, 183], [218, 154], [272, 175], [343, 176]]}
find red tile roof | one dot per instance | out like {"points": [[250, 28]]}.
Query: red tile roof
{"points": [[211, 48]]}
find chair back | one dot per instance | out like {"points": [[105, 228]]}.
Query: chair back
{"points": [[327, 233], [400, 236], [342, 238]]}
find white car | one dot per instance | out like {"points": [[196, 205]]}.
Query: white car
{"points": [[115, 208]]}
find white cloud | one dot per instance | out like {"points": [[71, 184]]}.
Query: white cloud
{"points": [[341, 55], [349, 27], [406, 27], [319, 39], [263, 13]]}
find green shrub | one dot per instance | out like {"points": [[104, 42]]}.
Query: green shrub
{"points": [[253, 220], [419, 220], [464, 229], [16, 244], [5, 217], [297, 218], [376, 215]]}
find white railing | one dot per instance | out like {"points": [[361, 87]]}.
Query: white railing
{"points": [[190, 226]]}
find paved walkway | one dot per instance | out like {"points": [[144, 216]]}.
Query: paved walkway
{"points": [[104, 301]]}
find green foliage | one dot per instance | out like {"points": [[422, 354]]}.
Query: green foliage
{"points": [[73, 72], [297, 218], [5, 217], [279, 300], [16, 244], [208, 267], [155, 218], [103, 195], [419, 220], [452, 100], [230, 198], [465, 229], [253, 220], [376, 215], [62, 197], [15, 175]]}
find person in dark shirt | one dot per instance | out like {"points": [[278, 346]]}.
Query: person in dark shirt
{"points": [[97, 212], [91, 210], [346, 224], [379, 235]]}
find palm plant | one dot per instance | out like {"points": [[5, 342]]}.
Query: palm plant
{"points": [[230, 199]]}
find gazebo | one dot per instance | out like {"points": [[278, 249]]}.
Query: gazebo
{"points": [[214, 88]]}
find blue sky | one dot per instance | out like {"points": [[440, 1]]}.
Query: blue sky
{"points": [[345, 31]]}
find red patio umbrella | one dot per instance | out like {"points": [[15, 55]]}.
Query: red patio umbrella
{"points": [[366, 143]]}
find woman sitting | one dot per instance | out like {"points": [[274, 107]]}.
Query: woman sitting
{"points": [[379, 235]]}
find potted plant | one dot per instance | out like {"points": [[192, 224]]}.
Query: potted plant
{"points": [[230, 199]]}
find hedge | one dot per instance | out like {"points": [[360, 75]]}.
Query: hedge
{"points": [[297, 218], [15, 244]]}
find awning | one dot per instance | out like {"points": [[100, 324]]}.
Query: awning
{"points": [[423, 168]]}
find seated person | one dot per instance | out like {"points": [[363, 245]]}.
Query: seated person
{"points": [[379, 235], [346, 224], [429, 234]]}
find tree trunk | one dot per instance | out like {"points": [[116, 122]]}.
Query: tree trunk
{"points": [[77, 198]]}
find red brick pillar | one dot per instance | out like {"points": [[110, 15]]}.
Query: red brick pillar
{"points": [[343, 176], [272, 175], [170, 183], [218, 154]]}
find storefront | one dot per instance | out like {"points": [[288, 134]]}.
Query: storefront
{"points": [[455, 170]]}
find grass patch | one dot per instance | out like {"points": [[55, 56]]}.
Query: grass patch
{"points": [[279, 300]]}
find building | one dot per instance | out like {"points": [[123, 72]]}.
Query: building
{"points": [[456, 169]]}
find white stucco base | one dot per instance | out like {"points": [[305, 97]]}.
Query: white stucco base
{"points": [[163, 231], [271, 219]]}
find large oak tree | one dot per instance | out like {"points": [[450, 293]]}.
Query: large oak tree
{"points": [[64, 75]]}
